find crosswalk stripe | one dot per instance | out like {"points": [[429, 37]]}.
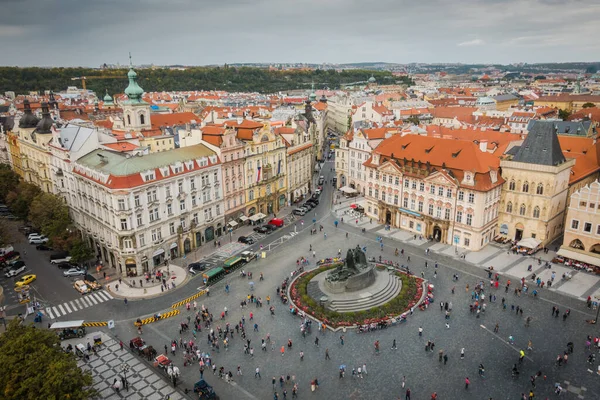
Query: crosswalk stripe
{"points": [[55, 312], [85, 302], [102, 295], [99, 298], [68, 308], [107, 294], [75, 308], [62, 309], [92, 298], [79, 303], [49, 313]]}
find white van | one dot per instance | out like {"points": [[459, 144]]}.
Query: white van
{"points": [[6, 249]]}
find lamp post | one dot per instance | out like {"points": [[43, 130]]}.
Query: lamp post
{"points": [[124, 368]]}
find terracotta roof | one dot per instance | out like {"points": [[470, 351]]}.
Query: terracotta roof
{"points": [[376, 133], [586, 154], [297, 149], [460, 113], [121, 146], [246, 124], [284, 130], [382, 110], [319, 106], [592, 113], [183, 118], [104, 123], [471, 134]]}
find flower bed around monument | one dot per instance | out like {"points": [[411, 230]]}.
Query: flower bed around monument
{"points": [[412, 290]]}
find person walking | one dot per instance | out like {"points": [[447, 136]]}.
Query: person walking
{"points": [[467, 382], [462, 353], [327, 354], [394, 345], [317, 341], [420, 331], [407, 395], [342, 340], [257, 373]]}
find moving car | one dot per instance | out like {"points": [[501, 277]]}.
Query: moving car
{"points": [[25, 280], [246, 240], [60, 260], [196, 267], [277, 222], [321, 179], [15, 270], [81, 287], [43, 247], [248, 256], [74, 272], [38, 240]]}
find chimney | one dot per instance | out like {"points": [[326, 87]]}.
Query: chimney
{"points": [[483, 145], [240, 120]]}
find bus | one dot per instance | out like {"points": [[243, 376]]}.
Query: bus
{"points": [[233, 263], [213, 275]]}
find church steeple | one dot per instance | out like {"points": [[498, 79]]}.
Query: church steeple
{"points": [[134, 92]]}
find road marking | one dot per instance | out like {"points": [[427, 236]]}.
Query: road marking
{"points": [[62, 309], [75, 308], [49, 313], [84, 304], [55, 310], [79, 303], [67, 307], [102, 296], [88, 301], [505, 342], [92, 299], [107, 294]]}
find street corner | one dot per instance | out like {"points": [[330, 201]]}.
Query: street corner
{"points": [[156, 317], [172, 278]]}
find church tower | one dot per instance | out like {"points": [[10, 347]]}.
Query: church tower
{"points": [[136, 112]]}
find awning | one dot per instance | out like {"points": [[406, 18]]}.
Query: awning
{"points": [[258, 216], [530, 243], [158, 252], [577, 256], [130, 261], [232, 223], [173, 245], [243, 218], [347, 189]]}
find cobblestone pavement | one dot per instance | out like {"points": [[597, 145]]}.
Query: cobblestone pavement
{"points": [[424, 373]]}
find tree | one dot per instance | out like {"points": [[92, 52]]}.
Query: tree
{"points": [[50, 213], [413, 119], [21, 197], [8, 181], [80, 251], [588, 105], [34, 366], [564, 114]]}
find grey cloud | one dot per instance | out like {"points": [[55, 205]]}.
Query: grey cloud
{"points": [[81, 32]]}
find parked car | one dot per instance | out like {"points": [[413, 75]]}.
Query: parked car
{"points": [[57, 255], [32, 235], [246, 240], [318, 192], [74, 272], [14, 271], [248, 255], [25, 280], [81, 287], [270, 228], [321, 179], [16, 264], [38, 240], [66, 265], [277, 222], [313, 200], [10, 256], [60, 260], [262, 229], [196, 267], [92, 282], [43, 247], [299, 211], [308, 206], [6, 249]]}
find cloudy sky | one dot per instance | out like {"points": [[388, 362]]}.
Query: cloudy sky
{"points": [[199, 32]]}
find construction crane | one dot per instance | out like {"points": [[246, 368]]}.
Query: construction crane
{"points": [[85, 78]]}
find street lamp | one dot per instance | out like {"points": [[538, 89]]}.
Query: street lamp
{"points": [[124, 368]]}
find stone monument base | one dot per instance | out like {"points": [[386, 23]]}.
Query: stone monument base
{"points": [[353, 283]]}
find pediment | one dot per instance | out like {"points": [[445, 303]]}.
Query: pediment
{"points": [[440, 178], [389, 167]]}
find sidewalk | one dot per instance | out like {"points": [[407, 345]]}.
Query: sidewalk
{"points": [[126, 290]]}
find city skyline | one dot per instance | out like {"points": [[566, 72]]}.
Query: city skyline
{"points": [[72, 33]]}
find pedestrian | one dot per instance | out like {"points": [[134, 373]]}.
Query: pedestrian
{"points": [[467, 382], [420, 331], [445, 359], [257, 372], [327, 354], [462, 353], [394, 345], [317, 341], [364, 369], [342, 340], [121, 344], [407, 396]]}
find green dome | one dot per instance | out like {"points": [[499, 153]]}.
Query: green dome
{"points": [[134, 92], [372, 79], [107, 98], [312, 96]]}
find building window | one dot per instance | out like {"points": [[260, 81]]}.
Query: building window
{"points": [[432, 189], [469, 219], [397, 181], [168, 191], [405, 203], [459, 217], [526, 187], [169, 209], [156, 234], [121, 203], [153, 214], [395, 199], [140, 222], [251, 195], [193, 183], [382, 196], [449, 193], [371, 174], [172, 228], [447, 214], [370, 192], [467, 242], [582, 204], [512, 185], [522, 209], [438, 212], [412, 204], [598, 230], [136, 200], [461, 195], [181, 205], [509, 207], [575, 224], [151, 194], [142, 240], [124, 224], [195, 218], [182, 222], [127, 244], [430, 209], [471, 198], [587, 227], [406, 183], [377, 194], [422, 186], [440, 191], [420, 207], [536, 212], [414, 184], [390, 179], [194, 201], [539, 189]]}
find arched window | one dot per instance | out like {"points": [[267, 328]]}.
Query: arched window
{"points": [[129, 120], [142, 119], [511, 185], [522, 209], [539, 189], [509, 207], [526, 187], [536, 212]]}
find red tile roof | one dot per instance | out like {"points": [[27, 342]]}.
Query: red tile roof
{"points": [[121, 146], [161, 120]]}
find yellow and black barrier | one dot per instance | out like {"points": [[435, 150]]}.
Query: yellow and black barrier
{"points": [[97, 323], [152, 319], [189, 299]]}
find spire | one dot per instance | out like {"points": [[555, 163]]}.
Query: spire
{"points": [[28, 120], [45, 124], [313, 95], [107, 99], [134, 92]]}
